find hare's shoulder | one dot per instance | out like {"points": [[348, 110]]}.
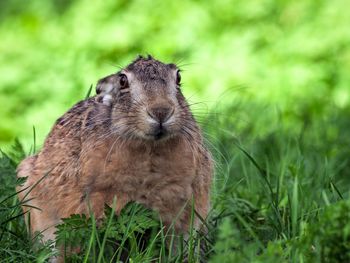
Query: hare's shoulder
{"points": [[61, 140], [74, 117], [65, 134]]}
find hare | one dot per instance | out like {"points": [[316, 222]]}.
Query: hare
{"points": [[136, 140]]}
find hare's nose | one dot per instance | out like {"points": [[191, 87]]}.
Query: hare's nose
{"points": [[161, 114]]}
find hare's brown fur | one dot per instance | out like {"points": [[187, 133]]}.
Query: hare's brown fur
{"points": [[98, 151]]}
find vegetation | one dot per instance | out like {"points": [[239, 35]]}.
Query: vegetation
{"points": [[269, 84]]}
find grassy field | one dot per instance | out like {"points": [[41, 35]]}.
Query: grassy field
{"points": [[271, 85]]}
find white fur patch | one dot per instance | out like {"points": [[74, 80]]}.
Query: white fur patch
{"points": [[108, 88], [107, 99]]}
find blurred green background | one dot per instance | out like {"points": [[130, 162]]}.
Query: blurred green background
{"points": [[290, 56]]}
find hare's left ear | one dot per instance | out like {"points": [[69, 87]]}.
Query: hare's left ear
{"points": [[106, 89]]}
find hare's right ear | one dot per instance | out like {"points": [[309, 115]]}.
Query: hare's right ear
{"points": [[106, 89]]}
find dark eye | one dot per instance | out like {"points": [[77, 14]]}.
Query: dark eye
{"points": [[178, 78], [123, 81]]}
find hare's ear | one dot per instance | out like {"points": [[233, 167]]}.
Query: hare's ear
{"points": [[105, 89], [105, 85], [104, 93]]}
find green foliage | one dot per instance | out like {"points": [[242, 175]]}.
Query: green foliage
{"points": [[115, 237], [231, 245], [329, 239], [16, 245]]}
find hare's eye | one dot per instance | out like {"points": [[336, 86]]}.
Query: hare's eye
{"points": [[123, 81], [178, 78]]}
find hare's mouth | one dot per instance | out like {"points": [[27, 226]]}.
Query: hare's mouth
{"points": [[158, 132], [161, 133]]}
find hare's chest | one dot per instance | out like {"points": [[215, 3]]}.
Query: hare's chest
{"points": [[161, 180], [143, 173]]}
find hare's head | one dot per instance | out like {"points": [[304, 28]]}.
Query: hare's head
{"points": [[146, 100]]}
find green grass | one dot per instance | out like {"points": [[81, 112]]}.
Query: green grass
{"points": [[281, 195]]}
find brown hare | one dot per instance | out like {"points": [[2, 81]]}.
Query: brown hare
{"points": [[136, 140]]}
